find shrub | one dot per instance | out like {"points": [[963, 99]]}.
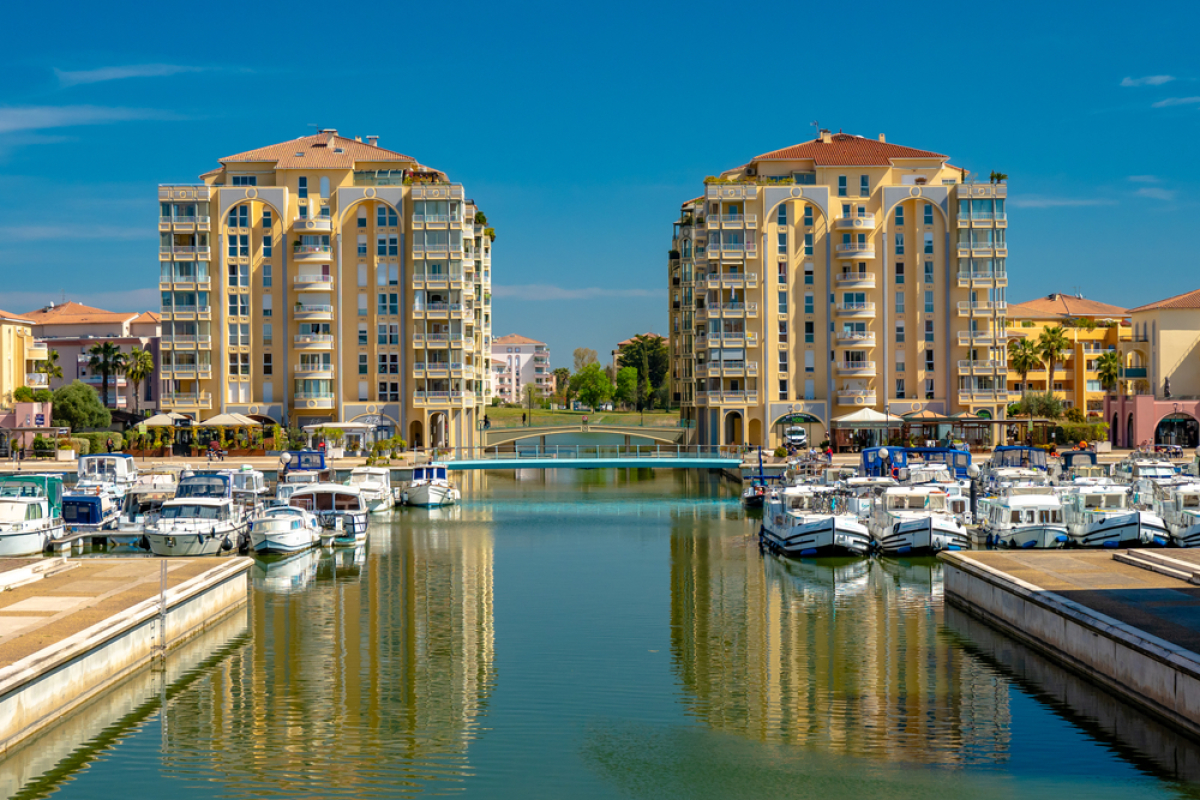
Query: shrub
{"points": [[42, 446], [780, 452], [79, 445], [22, 394], [78, 407], [296, 440], [43, 396], [1075, 415], [98, 441]]}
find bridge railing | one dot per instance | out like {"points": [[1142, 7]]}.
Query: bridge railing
{"points": [[648, 452]]}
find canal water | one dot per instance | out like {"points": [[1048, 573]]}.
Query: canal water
{"points": [[600, 634]]}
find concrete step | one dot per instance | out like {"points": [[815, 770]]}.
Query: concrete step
{"points": [[1156, 562]]}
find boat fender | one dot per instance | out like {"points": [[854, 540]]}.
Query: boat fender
{"points": [[1030, 543], [810, 551], [1062, 537], [1111, 543], [226, 545]]}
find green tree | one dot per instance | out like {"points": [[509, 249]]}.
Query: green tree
{"points": [[627, 382], [591, 385], [78, 407], [648, 355], [138, 368], [1109, 367], [1023, 357], [583, 357], [50, 367], [109, 360], [1052, 346]]}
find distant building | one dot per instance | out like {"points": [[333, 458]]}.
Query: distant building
{"points": [[1158, 397], [1075, 378], [518, 361], [19, 353], [71, 329], [617, 352]]}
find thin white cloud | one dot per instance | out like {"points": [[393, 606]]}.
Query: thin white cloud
{"points": [[544, 291], [75, 78], [1149, 80], [33, 118], [1040, 201], [127, 300], [45, 233], [1144, 178], [1176, 101], [1155, 193]]}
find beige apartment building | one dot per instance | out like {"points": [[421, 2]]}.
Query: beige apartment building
{"points": [[327, 279], [835, 275]]}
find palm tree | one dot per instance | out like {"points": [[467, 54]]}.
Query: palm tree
{"points": [[1052, 346], [1109, 367], [139, 367], [49, 367], [108, 358], [1023, 357]]}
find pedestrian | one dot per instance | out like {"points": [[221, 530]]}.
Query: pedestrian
{"points": [[522, 419], [487, 423], [110, 444]]}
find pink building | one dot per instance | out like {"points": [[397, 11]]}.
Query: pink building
{"points": [[24, 422]]}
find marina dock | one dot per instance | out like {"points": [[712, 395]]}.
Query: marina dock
{"points": [[1128, 620], [70, 629]]}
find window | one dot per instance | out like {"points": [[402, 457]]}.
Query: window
{"points": [[899, 302], [900, 274], [362, 217], [842, 186], [808, 216], [899, 244], [783, 272], [809, 332], [782, 301], [929, 272], [381, 332], [929, 302], [362, 244], [928, 213], [781, 215], [266, 329], [899, 388], [845, 210], [302, 187], [383, 364], [239, 245], [239, 305], [267, 365], [239, 363], [864, 185], [783, 332], [810, 361], [267, 303], [362, 334], [268, 246], [266, 219], [782, 243], [808, 302], [900, 331], [362, 275], [929, 244], [393, 334], [808, 244], [899, 361], [929, 388], [929, 361], [899, 216], [362, 304], [385, 216], [387, 245], [929, 330], [363, 364], [783, 389], [808, 273], [245, 180], [783, 361], [810, 389]]}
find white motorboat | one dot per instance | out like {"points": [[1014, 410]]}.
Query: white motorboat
{"points": [[915, 520], [1101, 516], [1079, 466], [250, 490], [1012, 466], [30, 513], [284, 530], [802, 521], [430, 487], [861, 493], [1179, 507], [376, 486], [1142, 472], [114, 473], [202, 519], [341, 510], [1025, 517], [143, 502], [299, 468]]}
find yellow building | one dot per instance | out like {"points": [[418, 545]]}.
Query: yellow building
{"points": [[1075, 378], [327, 279], [19, 354], [834, 275]]}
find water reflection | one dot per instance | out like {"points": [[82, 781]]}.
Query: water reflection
{"points": [[841, 655], [373, 679]]}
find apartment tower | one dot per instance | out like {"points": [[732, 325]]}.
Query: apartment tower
{"points": [[838, 274], [327, 279]]}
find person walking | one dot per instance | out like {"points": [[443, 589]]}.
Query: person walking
{"points": [[110, 444]]}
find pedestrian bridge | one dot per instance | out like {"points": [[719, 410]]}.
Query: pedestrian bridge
{"points": [[595, 457], [499, 437]]}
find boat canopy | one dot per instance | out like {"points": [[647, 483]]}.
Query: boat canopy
{"points": [[957, 461], [1019, 456], [429, 473], [1078, 458], [306, 460], [49, 486], [107, 466], [205, 485], [83, 509], [872, 462]]}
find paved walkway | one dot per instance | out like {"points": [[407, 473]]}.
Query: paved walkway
{"points": [[46, 611], [1157, 604]]}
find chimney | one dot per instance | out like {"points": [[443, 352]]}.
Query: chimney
{"points": [[358, 138], [330, 135], [373, 141], [825, 137], [883, 138]]}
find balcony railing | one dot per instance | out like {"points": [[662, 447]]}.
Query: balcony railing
{"points": [[302, 279], [310, 250], [853, 248], [310, 369], [968, 364], [313, 396], [855, 366], [982, 276], [855, 307], [317, 309], [313, 338], [36, 379], [855, 336], [856, 277]]}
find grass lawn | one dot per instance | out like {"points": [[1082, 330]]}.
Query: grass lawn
{"points": [[511, 417]]}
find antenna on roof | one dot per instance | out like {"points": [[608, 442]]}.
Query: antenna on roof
{"points": [[816, 125]]}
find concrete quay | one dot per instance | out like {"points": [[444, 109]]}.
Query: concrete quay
{"points": [[72, 629], [1126, 620]]}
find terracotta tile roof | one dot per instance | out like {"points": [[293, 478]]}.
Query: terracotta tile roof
{"points": [[147, 316], [631, 338], [5, 315], [316, 154], [847, 150], [72, 313], [1021, 311], [1180, 301], [515, 338], [1071, 306]]}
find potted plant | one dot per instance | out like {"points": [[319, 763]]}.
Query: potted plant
{"points": [[336, 437], [65, 451]]}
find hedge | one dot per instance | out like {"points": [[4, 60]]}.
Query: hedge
{"points": [[98, 441], [81, 446]]}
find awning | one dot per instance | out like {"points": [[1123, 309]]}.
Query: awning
{"points": [[163, 420], [868, 418], [927, 417], [230, 421], [346, 426]]}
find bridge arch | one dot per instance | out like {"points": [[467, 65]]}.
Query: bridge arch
{"points": [[499, 437]]}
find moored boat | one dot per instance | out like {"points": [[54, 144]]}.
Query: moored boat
{"points": [[803, 521], [376, 486], [430, 486], [915, 520], [201, 520], [1179, 507], [284, 530], [1025, 517], [30, 513], [1101, 516], [341, 510]]}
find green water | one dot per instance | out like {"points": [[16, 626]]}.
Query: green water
{"points": [[600, 635]]}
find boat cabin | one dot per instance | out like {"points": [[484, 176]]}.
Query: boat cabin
{"points": [[48, 486], [1099, 498], [956, 461], [433, 472], [874, 465], [200, 509], [327, 497], [909, 500], [215, 485], [1009, 456], [112, 468]]}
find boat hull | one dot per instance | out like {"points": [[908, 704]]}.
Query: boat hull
{"points": [[429, 494], [826, 536], [283, 542], [924, 536], [1185, 535], [1135, 529], [378, 501], [28, 542], [1033, 537], [194, 543]]}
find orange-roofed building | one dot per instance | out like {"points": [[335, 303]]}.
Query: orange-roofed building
{"points": [[837, 274], [526, 362], [71, 329], [328, 279], [1158, 397]]}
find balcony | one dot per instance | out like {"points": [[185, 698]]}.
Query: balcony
{"points": [[185, 253], [313, 225], [732, 250], [862, 222], [317, 312], [313, 341], [856, 397], [1133, 372], [433, 339], [861, 310], [314, 370], [312, 252], [855, 338], [974, 367], [856, 250], [36, 380], [737, 309], [313, 399], [977, 337], [982, 279], [862, 369], [36, 351], [313, 283], [972, 307], [438, 398], [865, 280], [197, 400]]}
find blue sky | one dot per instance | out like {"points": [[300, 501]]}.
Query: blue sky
{"points": [[579, 128]]}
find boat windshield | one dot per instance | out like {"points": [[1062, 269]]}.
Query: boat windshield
{"points": [[20, 490], [1019, 457], [1191, 500], [930, 502], [800, 503], [203, 486], [360, 478], [1032, 515], [1097, 501], [188, 511], [326, 501]]}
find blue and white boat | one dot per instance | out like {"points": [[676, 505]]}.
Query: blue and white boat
{"points": [[203, 519], [915, 520], [430, 486], [1102, 516], [94, 503], [284, 530], [1025, 517], [1179, 507], [804, 521]]}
